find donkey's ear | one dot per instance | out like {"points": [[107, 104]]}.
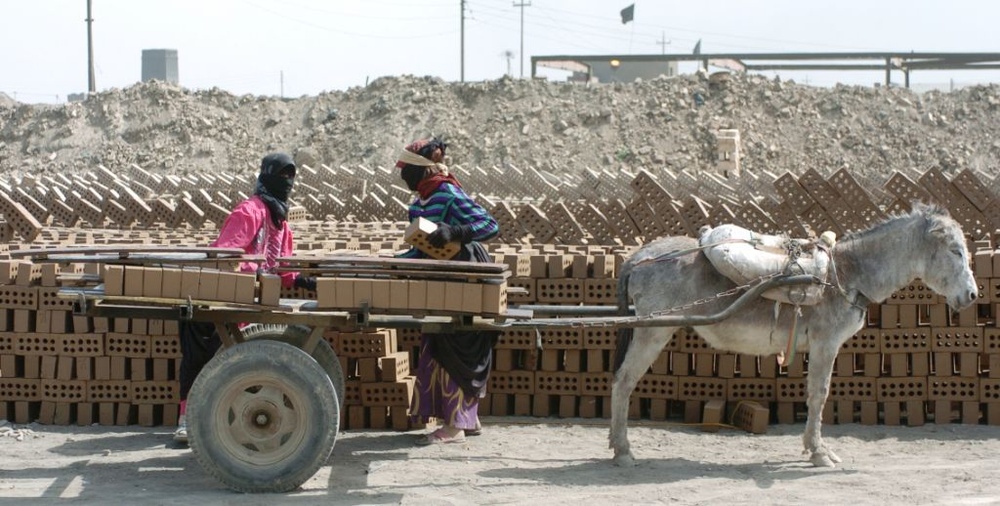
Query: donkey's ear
{"points": [[936, 228]]}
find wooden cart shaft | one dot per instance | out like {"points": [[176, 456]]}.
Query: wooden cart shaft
{"points": [[227, 317]]}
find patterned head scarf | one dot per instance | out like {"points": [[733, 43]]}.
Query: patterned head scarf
{"points": [[420, 166]]}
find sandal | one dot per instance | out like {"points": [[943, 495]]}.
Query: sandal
{"points": [[478, 431], [439, 437]]}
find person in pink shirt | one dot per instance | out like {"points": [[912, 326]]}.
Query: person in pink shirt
{"points": [[259, 226]]}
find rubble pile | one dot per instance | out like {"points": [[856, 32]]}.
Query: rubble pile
{"points": [[553, 126]]}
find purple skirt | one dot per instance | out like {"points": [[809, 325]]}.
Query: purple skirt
{"points": [[436, 395]]}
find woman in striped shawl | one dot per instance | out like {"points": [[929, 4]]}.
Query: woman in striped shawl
{"points": [[453, 369]]}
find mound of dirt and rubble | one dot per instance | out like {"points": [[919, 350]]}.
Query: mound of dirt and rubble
{"points": [[664, 122]]}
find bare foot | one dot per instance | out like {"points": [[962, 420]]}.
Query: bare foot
{"points": [[444, 435]]}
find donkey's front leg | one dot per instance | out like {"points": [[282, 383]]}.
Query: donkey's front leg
{"points": [[646, 346], [821, 359]]}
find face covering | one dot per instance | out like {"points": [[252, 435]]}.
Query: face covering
{"points": [[412, 174], [274, 190], [278, 186]]}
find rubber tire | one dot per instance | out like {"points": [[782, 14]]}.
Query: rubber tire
{"points": [[296, 335], [262, 417]]}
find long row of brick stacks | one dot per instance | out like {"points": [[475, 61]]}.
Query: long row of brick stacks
{"points": [[608, 208], [563, 239]]}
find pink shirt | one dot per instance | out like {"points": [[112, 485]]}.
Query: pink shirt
{"points": [[249, 227]]}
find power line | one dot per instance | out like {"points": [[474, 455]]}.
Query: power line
{"points": [[564, 26], [596, 30], [379, 15], [697, 31], [590, 31], [543, 35], [14, 94], [418, 34], [537, 36]]}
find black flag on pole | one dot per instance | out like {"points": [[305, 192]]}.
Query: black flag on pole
{"points": [[628, 14]]}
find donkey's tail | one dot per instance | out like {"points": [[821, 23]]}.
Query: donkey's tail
{"points": [[625, 333]]}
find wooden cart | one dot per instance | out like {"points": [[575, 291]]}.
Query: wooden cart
{"points": [[264, 414]]}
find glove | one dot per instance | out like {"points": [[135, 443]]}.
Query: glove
{"points": [[306, 282], [446, 233]]}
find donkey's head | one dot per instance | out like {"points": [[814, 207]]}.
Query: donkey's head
{"points": [[947, 269]]}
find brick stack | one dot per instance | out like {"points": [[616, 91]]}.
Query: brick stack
{"points": [[58, 368], [915, 361], [589, 208], [379, 383], [570, 375]]}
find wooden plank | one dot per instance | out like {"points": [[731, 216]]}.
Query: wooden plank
{"points": [[78, 278], [152, 260], [395, 273], [392, 263], [124, 251], [97, 295]]}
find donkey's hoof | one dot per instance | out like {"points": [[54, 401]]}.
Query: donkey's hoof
{"points": [[624, 460], [833, 456], [823, 460]]}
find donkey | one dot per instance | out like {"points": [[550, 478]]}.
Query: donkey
{"points": [[867, 267]]}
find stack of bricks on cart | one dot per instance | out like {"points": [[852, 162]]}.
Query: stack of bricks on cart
{"points": [[60, 368], [562, 239]]}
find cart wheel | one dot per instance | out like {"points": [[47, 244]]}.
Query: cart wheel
{"points": [[263, 417], [296, 335]]}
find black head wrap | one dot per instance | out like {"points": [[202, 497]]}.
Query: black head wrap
{"points": [[274, 185]]}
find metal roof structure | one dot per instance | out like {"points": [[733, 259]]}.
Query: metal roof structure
{"points": [[904, 62]]}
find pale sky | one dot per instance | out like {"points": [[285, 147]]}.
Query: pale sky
{"points": [[304, 47]]}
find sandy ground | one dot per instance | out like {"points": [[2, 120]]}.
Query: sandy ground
{"points": [[527, 461]]}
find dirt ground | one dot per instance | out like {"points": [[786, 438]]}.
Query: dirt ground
{"points": [[526, 461]]}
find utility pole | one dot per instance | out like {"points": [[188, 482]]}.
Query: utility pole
{"points": [[522, 5], [91, 83], [461, 53], [663, 42], [282, 84], [509, 55]]}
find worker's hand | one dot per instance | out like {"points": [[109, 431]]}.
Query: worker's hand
{"points": [[307, 282], [447, 233], [441, 236]]}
